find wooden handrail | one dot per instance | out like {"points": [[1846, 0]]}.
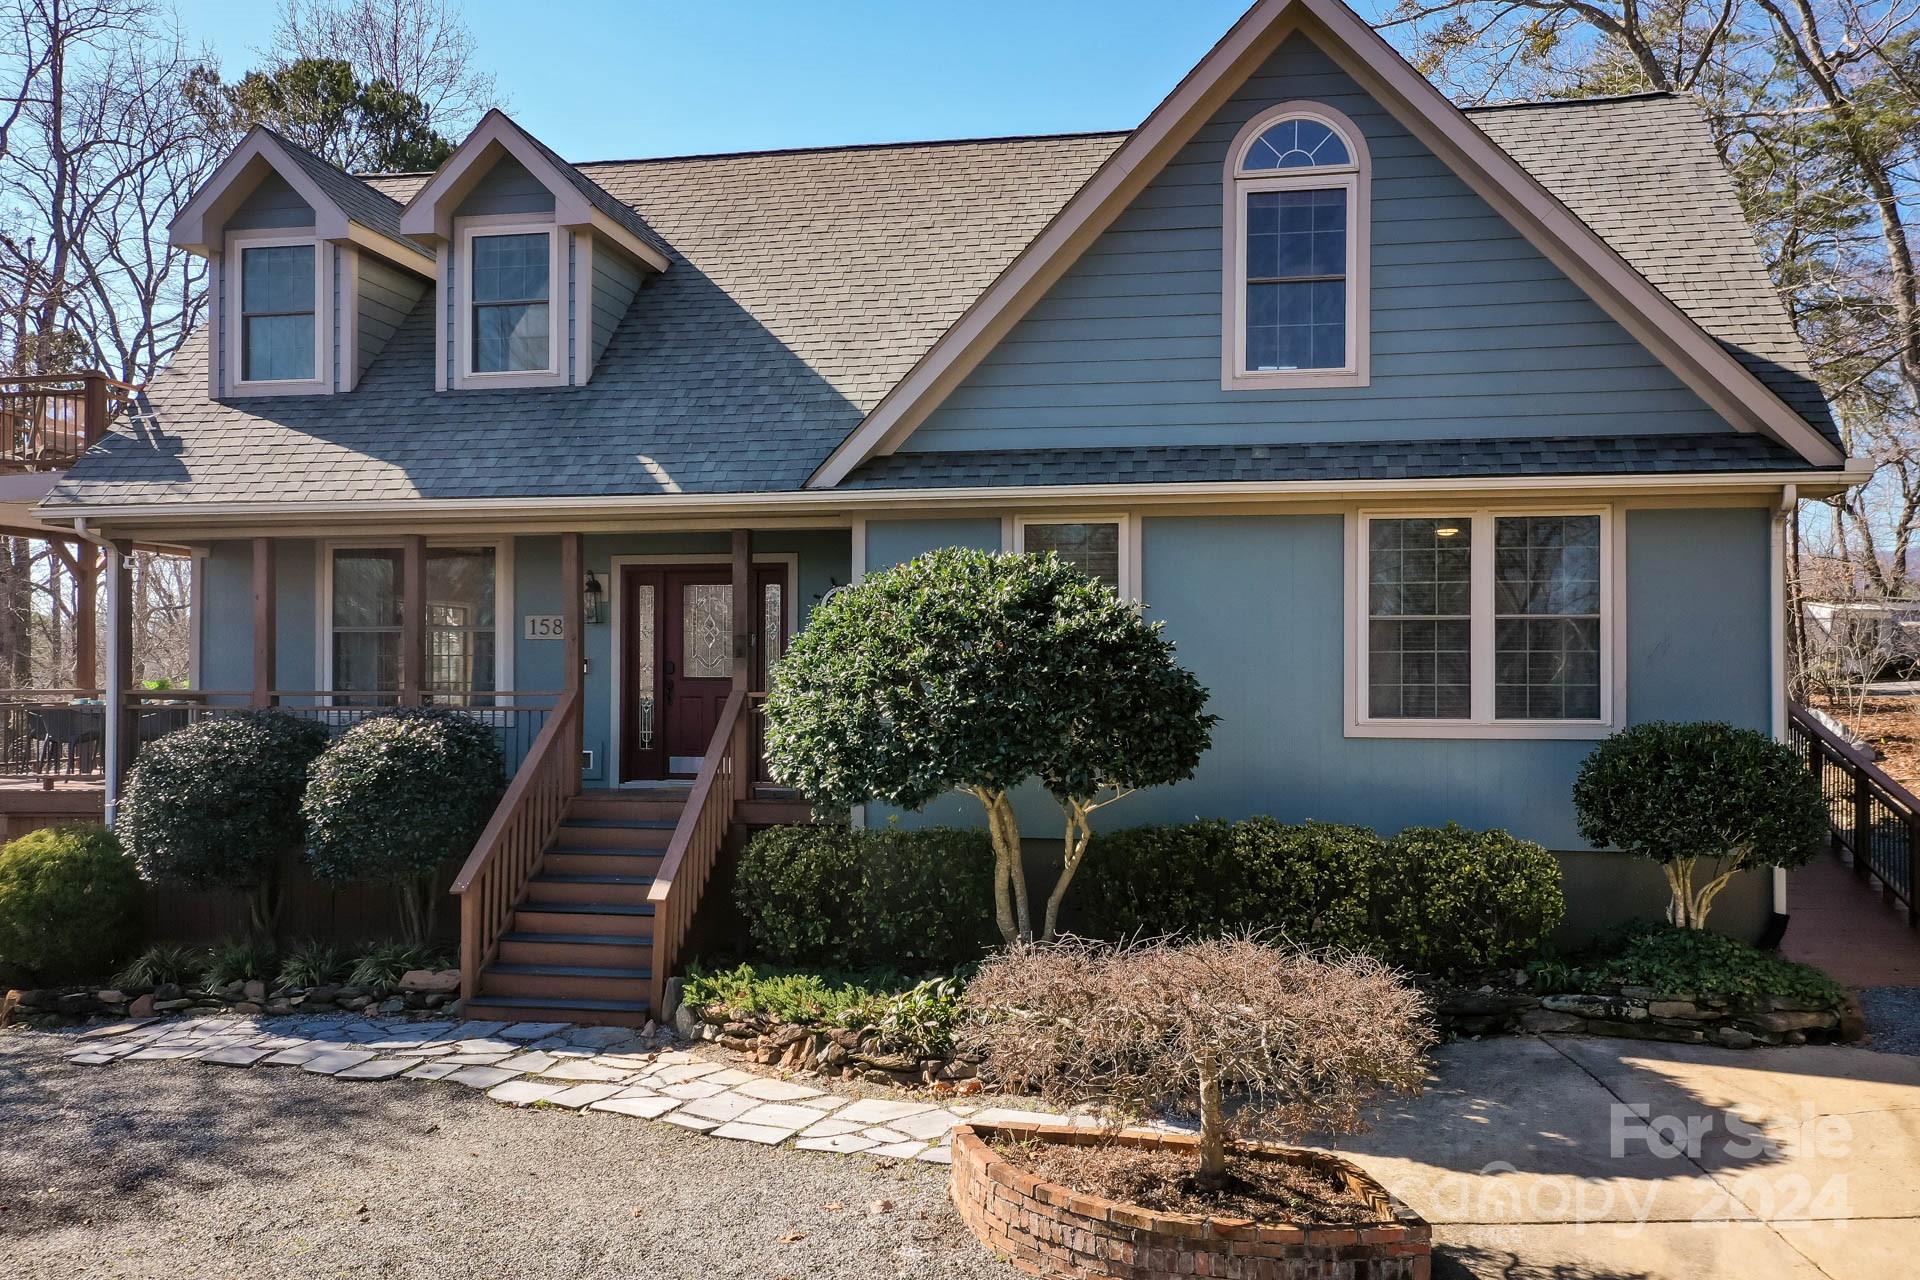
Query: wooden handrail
{"points": [[48, 420], [508, 853], [1872, 817], [697, 841]]}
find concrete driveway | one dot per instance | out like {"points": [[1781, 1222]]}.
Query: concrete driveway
{"points": [[1623, 1160]]}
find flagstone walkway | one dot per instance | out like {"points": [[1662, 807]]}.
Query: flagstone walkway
{"points": [[559, 1064]]}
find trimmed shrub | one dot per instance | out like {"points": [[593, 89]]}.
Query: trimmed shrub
{"points": [[1202, 879], [396, 797], [69, 902], [1685, 964], [1450, 900], [843, 899], [1678, 793], [216, 805]]}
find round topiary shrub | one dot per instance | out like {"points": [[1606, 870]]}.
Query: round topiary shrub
{"points": [[216, 805], [1677, 793], [886, 899], [1450, 900], [396, 797], [69, 903], [1305, 881]]}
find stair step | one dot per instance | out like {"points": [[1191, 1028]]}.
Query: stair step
{"points": [[567, 919], [606, 851], [588, 908], [571, 971], [649, 833], [593, 950], [549, 877], [611, 1013], [624, 824], [601, 862], [549, 889]]}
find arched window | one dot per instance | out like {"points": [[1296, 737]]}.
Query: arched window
{"points": [[1295, 275]]}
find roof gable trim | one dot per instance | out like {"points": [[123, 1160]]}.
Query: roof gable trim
{"points": [[1712, 372], [429, 214], [199, 227]]}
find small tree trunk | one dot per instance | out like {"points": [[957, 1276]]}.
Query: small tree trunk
{"points": [[1006, 867], [263, 908], [1074, 848], [1213, 1127], [1016, 868]]}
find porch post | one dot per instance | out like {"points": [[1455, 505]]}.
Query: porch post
{"points": [[118, 715], [413, 619], [266, 627], [573, 641], [745, 609], [86, 587]]}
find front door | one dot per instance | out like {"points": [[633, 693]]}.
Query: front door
{"points": [[678, 665]]}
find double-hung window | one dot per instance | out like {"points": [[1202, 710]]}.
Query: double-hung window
{"points": [[1295, 299], [1483, 623], [276, 316], [365, 618], [509, 305]]}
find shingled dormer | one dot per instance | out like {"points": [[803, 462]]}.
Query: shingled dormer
{"points": [[535, 263], [310, 271]]}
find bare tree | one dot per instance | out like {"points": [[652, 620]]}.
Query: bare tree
{"points": [[423, 48]]}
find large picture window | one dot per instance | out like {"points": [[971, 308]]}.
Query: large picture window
{"points": [[1295, 280], [1484, 622], [462, 637]]}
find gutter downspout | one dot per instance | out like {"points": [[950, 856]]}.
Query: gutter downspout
{"points": [[1777, 640]]}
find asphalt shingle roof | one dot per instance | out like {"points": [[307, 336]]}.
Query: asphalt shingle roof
{"points": [[805, 284]]}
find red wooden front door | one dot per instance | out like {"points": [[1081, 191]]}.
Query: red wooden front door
{"points": [[678, 666]]}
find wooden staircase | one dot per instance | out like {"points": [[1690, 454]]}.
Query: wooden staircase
{"points": [[579, 946], [580, 943]]}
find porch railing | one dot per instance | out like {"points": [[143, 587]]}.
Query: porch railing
{"points": [[51, 733], [1874, 820], [47, 421], [726, 773], [509, 851], [516, 717]]}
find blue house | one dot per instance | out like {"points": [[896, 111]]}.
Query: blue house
{"points": [[1444, 442]]}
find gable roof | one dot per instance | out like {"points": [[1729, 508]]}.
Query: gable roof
{"points": [[807, 284], [579, 201], [340, 201], [1726, 385]]}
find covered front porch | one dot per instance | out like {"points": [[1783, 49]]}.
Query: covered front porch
{"points": [[621, 671]]}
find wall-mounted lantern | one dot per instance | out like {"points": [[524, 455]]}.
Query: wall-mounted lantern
{"points": [[595, 610]]}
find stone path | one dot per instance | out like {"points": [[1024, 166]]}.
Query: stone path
{"points": [[559, 1064]]}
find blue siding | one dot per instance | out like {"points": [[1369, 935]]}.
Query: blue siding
{"points": [[226, 620], [616, 279], [1475, 333], [387, 296], [891, 542], [272, 204], [507, 188], [1255, 605]]}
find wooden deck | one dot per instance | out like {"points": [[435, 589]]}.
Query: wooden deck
{"points": [[26, 804]]}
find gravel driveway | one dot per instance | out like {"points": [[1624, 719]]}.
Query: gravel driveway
{"points": [[150, 1170]]}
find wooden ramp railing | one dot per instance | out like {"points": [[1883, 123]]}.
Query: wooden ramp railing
{"points": [[726, 773], [1875, 821], [510, 850]]}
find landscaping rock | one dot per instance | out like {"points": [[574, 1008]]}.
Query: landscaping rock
{"points": [[1732, 1038], [256, 991], [141, 1007], [1782, 1021], [1550, 1022], [430, 981]]}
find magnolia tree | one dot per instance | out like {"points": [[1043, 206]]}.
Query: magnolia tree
{"points": [[965, 671], [1683, 793], [1260, 1041]]}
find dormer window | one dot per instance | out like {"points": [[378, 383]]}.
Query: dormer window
{"points": [[1296, 218], [506, 275], [277, 307]]}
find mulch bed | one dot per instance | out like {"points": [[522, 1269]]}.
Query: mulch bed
{"points": [[1264, 1190]]}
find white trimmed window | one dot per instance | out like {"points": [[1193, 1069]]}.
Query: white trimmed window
{"points": [[1475, 623], [277, 315], [1099, 546], [510, 310], [1297, 220], [362, 608]]}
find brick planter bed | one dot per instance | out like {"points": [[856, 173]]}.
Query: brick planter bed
{"points": [[1044, 1229]]}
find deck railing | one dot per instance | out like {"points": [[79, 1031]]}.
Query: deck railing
{"points": [[51, 732], [47, 421], [509, 851], [725, 776], [1875, 821]]}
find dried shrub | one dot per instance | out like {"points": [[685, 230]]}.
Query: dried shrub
{"points": [[1262, 1041]]}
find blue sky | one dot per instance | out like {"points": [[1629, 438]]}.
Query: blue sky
{"points": [[597, 79]]}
